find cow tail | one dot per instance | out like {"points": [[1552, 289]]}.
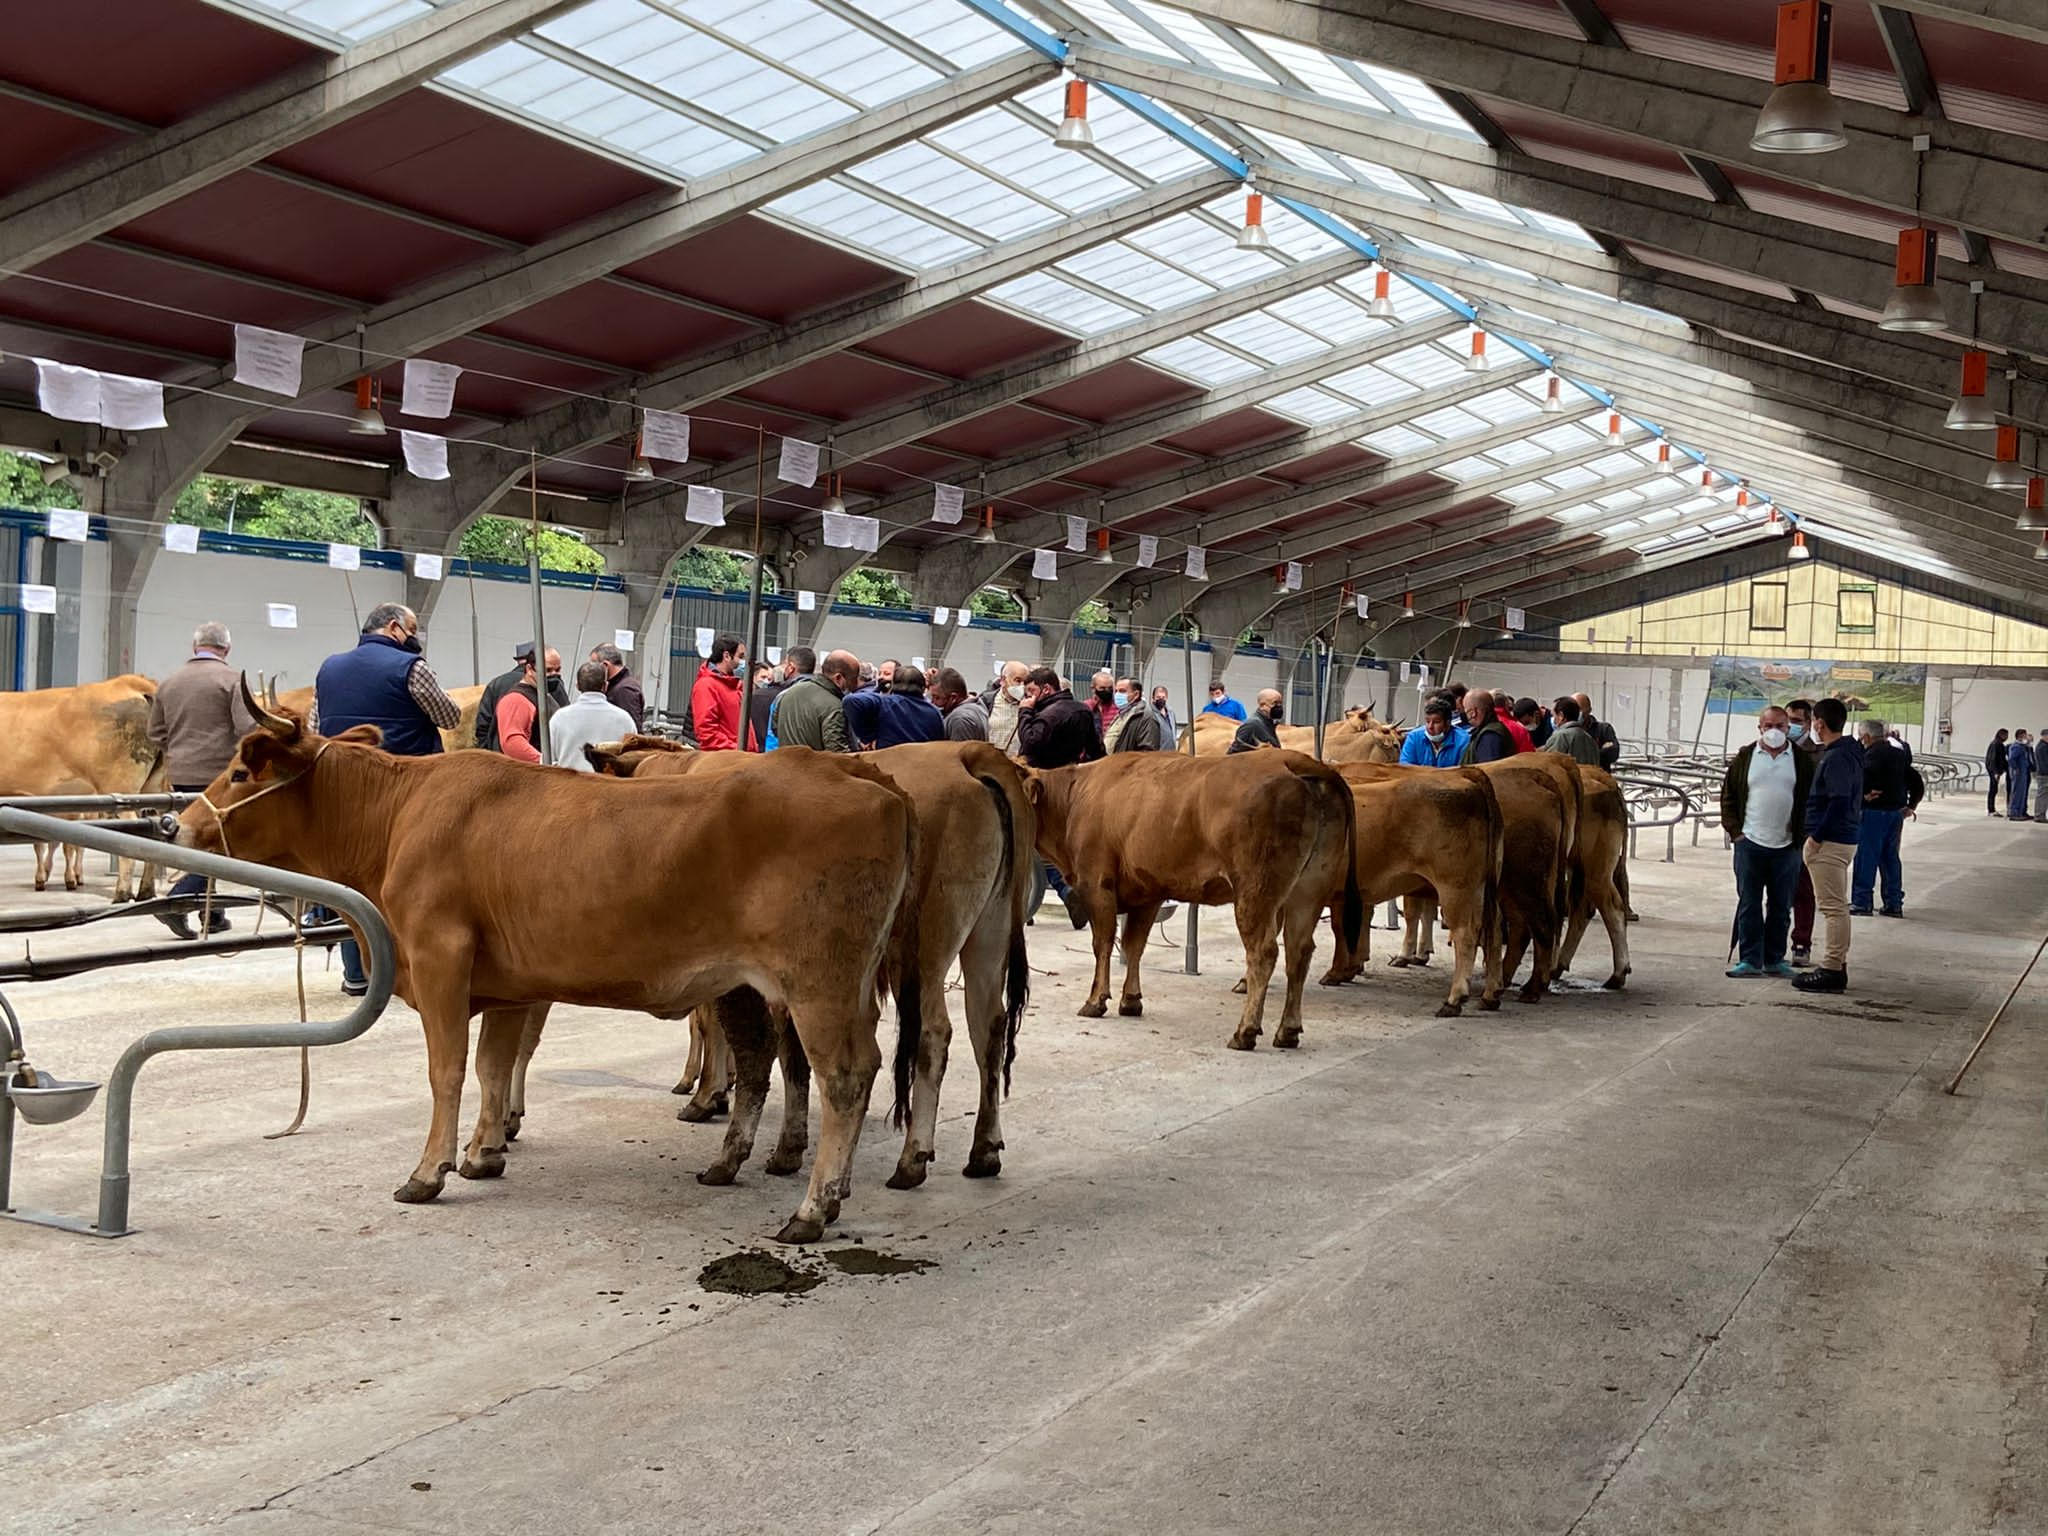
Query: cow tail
{"points": [[904, 940], [1017, 976]]}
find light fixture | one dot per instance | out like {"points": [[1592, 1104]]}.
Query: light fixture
{"points": [[1475, 361], [2006, 474], [1614, 429], [1914, 304], [2034, 514], [1074, 130], [1253, 236], [1799, 551], [1382, 305], [1972, 411], [1553, 395], [639, 468], [1102, 547], [368, 420], [1800, 116], [986, 533]]}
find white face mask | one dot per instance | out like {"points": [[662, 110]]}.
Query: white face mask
{"points": [[1775, 739], [1016, 693]]}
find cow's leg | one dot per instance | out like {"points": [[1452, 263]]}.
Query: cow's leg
{"points": [[934, 1044], [716, 1069], [1299, 928], [1261, 951], [788, 1156], [741, 1018], [983, 970], [1137, 929], [498, 1039], [845, 1058], [443, 1002], [1102, 930], [529, 1042]]}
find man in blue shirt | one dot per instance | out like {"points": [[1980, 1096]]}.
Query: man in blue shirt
{"points": [[1436, 743], [1834, 808], [1221, 703]]}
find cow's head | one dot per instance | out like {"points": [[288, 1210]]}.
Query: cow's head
{"points": [[258, 809]]}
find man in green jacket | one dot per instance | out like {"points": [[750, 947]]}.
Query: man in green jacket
{"points": [[1763, 808], [808, 712]]}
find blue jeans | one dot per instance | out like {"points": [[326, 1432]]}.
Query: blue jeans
{"points": [[1762, 873], [1877, 858]]}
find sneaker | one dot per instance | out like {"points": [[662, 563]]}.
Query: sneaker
{"points": [[1859, 911], [1892, 912], [1802, 955], [1780, 970], [1819, 980], [179, 924], [355, 988], [1742, 970]]}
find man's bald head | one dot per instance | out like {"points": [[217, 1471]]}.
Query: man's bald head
{"points": [[843, 668]]}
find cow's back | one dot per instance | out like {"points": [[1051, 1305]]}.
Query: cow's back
{"points": [[92, 738]]}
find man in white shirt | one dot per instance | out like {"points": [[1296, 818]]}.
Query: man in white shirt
{"points": [[1763, 808], [589, 717]]}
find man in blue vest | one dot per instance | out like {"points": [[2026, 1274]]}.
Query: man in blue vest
{"points": [[382, 682]]}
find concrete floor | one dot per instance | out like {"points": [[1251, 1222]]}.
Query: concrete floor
{"points": [[1650, 1263]]}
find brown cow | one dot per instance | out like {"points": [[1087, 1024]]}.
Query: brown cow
{"points": [[1432, 830], [92, 739], [1599, 881], [976, 823], [695, 886], [1268, 832]]}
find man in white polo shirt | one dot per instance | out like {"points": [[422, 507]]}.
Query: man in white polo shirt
{"points": [[1763, 808]]}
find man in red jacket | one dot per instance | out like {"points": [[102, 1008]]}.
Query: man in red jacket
{"points": [[715, 698]]}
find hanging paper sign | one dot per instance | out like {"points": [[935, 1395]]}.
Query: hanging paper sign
{"points": [[425, 455], [282, 615], [1291, 576], [947, 501], [1516, 618], [774, 655], [67, 393], [1363, 602], [427, 567], [1045, 565], [623, 639], [1148, 551], [665, 435], [705, 505], [1198, 562], [429, 388], [181, 538], [1077, 534], [273, 361], [704, 639], [69, 523], [941, 614], [131, 405], [965, 617], [806, 600], [38, 599], [799, 463], [344, 557]]}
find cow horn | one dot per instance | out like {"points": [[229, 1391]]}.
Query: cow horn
{"points": [[276, 724]]}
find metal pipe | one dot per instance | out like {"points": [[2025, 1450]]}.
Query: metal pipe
{"points": [[120, 1093]]}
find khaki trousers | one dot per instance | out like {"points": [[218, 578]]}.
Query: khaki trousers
{"points": [[1828, 865]]}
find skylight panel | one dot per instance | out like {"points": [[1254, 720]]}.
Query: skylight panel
{"points": [[1316, 70], [1046, 299], [1309, 405], [850, 215], [1197, 359]]}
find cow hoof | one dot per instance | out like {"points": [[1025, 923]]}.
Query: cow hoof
{"points": [[1287, 1040], [1243, 1042], [1450, 1010], [1616, 983], [983, 1165], [1131, 1008], [1239, 989], [512, 1124], [1490, 1004], [491, 1165], [1094, 1010], [783, 1163], [907, 1176], [800, 1229], [695, 1113], [416, 1191], [1530, 993]]}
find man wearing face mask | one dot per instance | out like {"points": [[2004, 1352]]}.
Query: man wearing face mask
{"points": [[715, 698], [382, 682], [1436, 743], [1763, 808], [518, 710], [1260, 730], [1005, 707]]}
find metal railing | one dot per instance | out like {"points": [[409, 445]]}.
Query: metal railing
{"points": [[18, 824]]}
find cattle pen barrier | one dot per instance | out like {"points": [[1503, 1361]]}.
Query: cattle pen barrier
{"points": [[39, 1099]]}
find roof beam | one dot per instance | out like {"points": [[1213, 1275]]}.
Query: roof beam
{"points": [[1993, 181], [132, 178]]}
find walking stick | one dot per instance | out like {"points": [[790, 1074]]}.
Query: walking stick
{"points": [[2015, 992]]}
